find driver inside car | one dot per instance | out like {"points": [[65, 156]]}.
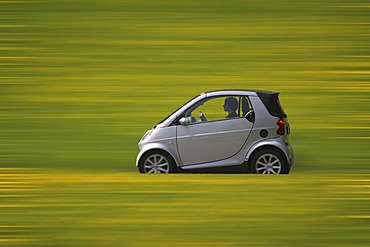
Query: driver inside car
{"points": [[230, 106]]}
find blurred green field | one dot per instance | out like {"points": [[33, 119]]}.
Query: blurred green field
{"points": [[81, 81], [127, 209]]}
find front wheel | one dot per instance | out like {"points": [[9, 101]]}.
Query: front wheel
{"points": [[157, 162], [269, 161]]}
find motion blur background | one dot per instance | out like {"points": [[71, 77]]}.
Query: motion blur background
{"points": [[81, 81]]}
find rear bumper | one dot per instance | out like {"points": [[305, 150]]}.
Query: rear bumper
{"points": [[290, 155]]}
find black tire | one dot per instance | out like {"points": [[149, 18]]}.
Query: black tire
{"points": [[157, 161], [269, 161]]}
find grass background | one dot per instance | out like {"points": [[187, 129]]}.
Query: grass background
{"points": [[81, 81]]}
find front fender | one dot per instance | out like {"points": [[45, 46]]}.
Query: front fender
{"points": [[276, 142], [158, 146]]}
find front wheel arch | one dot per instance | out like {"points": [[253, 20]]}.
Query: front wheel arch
{"points": [[172, 163]]}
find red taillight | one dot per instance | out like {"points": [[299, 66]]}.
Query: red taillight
{"points": [[281, 129]]}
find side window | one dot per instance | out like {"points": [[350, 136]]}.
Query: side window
{"points": [[245, 106], [218, 108]]}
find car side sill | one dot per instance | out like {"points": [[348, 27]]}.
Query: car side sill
{"points": [[228, 162]]}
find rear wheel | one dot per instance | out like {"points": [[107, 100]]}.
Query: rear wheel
{"points": [[157, 162], [269, 161]]}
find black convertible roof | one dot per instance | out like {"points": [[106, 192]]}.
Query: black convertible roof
{"points": [[272, 103], [269, 99]]}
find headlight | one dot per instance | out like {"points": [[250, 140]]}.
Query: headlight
{"points": [[147, 134]]}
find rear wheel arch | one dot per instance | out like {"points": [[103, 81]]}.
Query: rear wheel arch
{"points": [[269, 149]]}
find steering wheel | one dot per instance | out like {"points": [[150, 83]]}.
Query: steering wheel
{"points": [[202, 117]]}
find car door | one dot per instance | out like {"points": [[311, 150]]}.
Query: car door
{"points": [[215, 139]]}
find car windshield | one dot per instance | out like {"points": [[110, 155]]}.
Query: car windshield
{"points": [[174, 111]]}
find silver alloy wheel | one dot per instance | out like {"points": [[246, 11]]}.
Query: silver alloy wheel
{"points": [[268, 164], [156, 163]]}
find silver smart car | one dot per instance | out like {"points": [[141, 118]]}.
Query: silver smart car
{"points": [[243, 128]]}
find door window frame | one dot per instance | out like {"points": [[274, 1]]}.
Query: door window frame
{"points": [[240, 112]]}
